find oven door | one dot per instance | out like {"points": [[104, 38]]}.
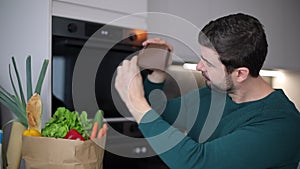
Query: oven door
{"points": [[84, 76], [125, 145]]}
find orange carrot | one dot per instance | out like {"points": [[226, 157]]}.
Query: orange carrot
{"points": [[94, 130]]}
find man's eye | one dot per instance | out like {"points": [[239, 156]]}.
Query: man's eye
{"points": [[209, 64], [206, 62]]}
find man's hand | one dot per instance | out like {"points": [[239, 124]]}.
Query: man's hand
{"points": [[157, 76], [129, 85]]}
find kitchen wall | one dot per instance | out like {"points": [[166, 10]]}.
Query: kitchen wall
{"points": [[289, 82], [25, 30], [186, 18]]}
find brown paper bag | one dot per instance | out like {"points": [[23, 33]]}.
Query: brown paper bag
{"points": [[51, 153]]}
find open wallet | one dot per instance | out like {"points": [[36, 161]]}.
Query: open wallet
{"points": [[154, 56]]}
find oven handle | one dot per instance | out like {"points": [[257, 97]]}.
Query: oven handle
{"points": [[90, 44], [107, 44]]}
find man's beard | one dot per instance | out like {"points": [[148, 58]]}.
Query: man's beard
{"points": [[228, 88]]}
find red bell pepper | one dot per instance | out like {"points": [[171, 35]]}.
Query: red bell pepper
{"points": [[74, 135]]}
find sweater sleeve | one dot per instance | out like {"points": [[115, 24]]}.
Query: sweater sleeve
{"points": [[252, 146]]}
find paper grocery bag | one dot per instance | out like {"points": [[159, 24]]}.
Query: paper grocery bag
{"points": [[52, 153]]}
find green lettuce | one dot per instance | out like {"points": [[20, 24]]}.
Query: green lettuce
{"points": [[61, 122], [64, 120]]}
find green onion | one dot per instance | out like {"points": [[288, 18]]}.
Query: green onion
{"points": [[16, 102], [41, 77], [28, 77]]}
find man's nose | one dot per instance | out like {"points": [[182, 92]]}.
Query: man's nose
{"points": [[200, 66]]}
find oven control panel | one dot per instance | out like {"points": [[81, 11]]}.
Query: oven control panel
{"points": [[82, 29]]}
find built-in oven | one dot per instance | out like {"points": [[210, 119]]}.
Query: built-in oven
{"points": [[85, 56]]}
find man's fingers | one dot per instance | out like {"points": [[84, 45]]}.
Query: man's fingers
{"points": [[128, 68], [129, 65], [125, 64], [133, 61]]}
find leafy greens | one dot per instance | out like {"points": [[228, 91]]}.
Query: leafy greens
{"points": [[64, 120]]}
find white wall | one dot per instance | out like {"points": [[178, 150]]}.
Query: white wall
{"points": [[25, 30], [280, 18]]}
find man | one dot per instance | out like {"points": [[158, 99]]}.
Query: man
{"points": [[258, 127]]}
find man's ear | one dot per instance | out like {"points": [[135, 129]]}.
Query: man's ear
{"points": [[241, 74]]}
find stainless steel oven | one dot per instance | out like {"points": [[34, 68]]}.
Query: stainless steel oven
{"points": [[108, 45]]}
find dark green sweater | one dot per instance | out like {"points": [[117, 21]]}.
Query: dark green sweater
{"points": [[256, 135]]}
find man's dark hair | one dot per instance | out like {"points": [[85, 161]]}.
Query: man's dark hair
{"points": [[240, 41]]}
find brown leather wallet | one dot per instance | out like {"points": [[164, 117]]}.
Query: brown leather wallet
{"points": [[154, 56]]}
